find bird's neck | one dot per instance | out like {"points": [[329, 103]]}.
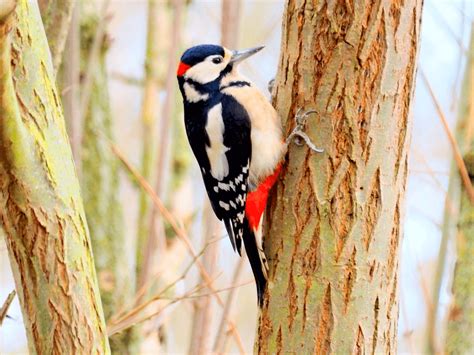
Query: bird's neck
{"points": [[196, 93]]}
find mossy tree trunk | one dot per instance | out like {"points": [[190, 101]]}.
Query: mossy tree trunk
{"points": [[41, 209], [459, 337], [100, 186], [333, 226], [56, 16]]}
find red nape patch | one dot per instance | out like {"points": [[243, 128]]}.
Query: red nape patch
{"points": [[257, 200], [182, 68]]}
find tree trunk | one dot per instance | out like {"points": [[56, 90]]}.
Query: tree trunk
{"points": [[56, 16], [334, 221], [100, 186], [459, 339], [40, 204], [149, 116]]}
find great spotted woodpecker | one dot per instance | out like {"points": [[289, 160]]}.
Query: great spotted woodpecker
{"points": [[236, 137]]}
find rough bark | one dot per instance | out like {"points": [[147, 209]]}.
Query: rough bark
{"points": [[333, 226], [41, 209], [56, 16], [459, 339], [100, 187]]}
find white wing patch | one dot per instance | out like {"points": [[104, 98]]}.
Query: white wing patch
{"points": [[192, 95], [216, 152]]}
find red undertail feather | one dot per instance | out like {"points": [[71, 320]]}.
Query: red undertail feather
{"points": [[182, 68], [257, 200]]}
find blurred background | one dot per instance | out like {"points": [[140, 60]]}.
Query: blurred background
{"points": [[145, 125]]}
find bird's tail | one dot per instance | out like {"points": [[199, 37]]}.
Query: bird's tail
{"points": [[257, 259]]}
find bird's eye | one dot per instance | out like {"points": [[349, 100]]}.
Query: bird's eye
{"points": [[217, 60]]}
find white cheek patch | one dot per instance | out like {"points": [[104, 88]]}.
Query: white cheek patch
{"points": [[192, 95], [216, 152]]}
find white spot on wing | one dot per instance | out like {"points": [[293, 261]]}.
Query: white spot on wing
{"points": [[224, 205], [223, 186], [216, 152]]}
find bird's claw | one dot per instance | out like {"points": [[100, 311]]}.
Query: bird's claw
{"points": [[298, 132]]}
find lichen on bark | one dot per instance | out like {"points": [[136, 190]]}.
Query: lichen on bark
{"points": [[332, 230], [41, 209]]}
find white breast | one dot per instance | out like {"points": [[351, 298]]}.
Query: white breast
{"points": [[267, 142]]}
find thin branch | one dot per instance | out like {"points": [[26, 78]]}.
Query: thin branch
{"points": [[180, 232], [188, 295], [122, 315], [6, 305], [222, 335], [449, 30], [200, 342], [127, 79], [457, 154]]}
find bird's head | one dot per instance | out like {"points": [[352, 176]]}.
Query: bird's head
{"points": [[205, 63]]}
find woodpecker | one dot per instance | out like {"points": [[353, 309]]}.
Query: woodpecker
{"points": [[236, 137]]}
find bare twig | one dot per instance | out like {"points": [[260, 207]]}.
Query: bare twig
{"points": [[180, 232], [188, 295], [222, 335], [6, 305], [202, 319], [127, 79], [435, 12], [135, 307], [457, 154]]}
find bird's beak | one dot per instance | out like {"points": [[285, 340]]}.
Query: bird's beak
{"points": [[238, 56]]}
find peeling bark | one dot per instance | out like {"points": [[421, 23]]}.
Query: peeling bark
{"points": [[333, 223], [41, 209]]}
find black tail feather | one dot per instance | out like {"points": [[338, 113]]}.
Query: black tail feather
{"points": [[256, 262]]}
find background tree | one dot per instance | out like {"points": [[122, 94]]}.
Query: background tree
{"points": [[334, 225], [459, 338], [40, 204], [100, 186]]}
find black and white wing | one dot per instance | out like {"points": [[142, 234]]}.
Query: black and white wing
{"points": [[224, 156]]}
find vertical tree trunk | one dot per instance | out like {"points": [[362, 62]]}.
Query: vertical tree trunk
{"points": [[149, 116], [334, 222], [459, 339], [100, 186], [56, 16], [40, 204]]}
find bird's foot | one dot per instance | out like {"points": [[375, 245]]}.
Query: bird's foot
{"points": [[298, 133]]}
